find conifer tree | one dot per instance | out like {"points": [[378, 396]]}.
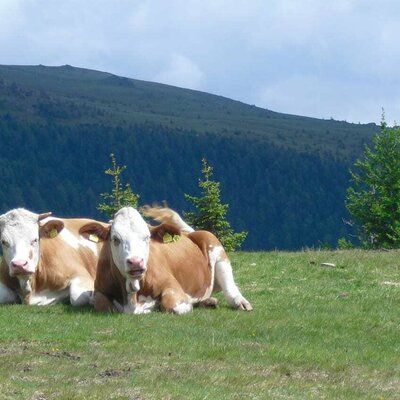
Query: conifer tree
{"points": [[120, 196], [210, 213], [374, 199]]}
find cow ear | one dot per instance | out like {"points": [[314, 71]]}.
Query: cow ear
{"points": [[51, 228], [43, 216], [95, 232], [162, 231]]}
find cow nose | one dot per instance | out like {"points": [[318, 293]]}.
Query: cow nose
{"points": [[19, 264], [137, 262]]}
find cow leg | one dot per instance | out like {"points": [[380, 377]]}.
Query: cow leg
{"points": [[7, 295], [224, 279], [211, 302], [102, 303], [175, 300], [81, 291]]}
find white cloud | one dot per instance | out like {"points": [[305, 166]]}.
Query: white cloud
{"points": [[311, 57], [181, 71], [11, 18]]}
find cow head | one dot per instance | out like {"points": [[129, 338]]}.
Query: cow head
{"points": [[129, 238], [20, 231], [130, 244]]}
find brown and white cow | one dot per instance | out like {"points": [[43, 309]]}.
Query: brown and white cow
{"points": [[138, 271], [45, 260]]}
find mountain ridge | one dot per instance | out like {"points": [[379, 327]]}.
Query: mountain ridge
{"points": [[189, 109]]}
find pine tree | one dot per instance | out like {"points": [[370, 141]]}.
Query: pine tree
{"points": [[119, 196], [211, 213], [374, 200]]}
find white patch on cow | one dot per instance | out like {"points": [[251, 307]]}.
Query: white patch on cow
{"points": [[129, 238], [69, 238], [77, 242], [81, 293], [183, 308], [132, 286], [89, 244], [44, 221], [7, 296], [19, 231], [224, 276], [179, 222], [47, 297], [148, 303], [224, 279]]}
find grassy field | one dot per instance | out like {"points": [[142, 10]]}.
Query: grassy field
{"points": [[316, 332]]}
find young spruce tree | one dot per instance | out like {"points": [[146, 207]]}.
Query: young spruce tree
{"points": [[211, 214], [119, 196], [374, 199]]}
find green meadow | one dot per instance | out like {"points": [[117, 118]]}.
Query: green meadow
{"points": [[316, 332]]}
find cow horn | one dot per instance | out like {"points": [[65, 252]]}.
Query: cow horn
{"points": [[44, 215]]}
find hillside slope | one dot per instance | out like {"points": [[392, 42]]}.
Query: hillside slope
{"points": [[40, 93], [284, 176]]}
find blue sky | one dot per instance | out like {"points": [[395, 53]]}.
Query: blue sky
{"points": [[326, 59]]}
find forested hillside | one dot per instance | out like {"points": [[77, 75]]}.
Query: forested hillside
{"points": [[284, 176]]}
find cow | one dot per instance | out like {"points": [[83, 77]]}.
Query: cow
{"points": [[169, 266], [45, 260]]}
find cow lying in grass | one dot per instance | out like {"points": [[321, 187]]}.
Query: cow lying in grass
{"points": [[45, 260], [136, 264]]}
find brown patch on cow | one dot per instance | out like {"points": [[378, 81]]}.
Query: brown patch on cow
{"points": [[109, 284], [6, 279]]}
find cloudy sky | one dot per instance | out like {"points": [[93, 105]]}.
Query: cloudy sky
{"points": [[320, 58]]}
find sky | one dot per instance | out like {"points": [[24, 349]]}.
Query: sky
{"points": [[327, 59]]}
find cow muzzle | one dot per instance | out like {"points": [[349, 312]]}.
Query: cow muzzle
{"points": [[19, 267], [135, 267]]}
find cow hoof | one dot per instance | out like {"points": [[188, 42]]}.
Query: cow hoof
{"points": [[182, 308], [211, 302], [240, 303]]}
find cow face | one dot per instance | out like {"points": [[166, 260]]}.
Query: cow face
{"points": [[130, 243], [19, 231]]}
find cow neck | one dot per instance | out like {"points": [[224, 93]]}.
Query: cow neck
{"points": [[25, 287], [127, 287]]}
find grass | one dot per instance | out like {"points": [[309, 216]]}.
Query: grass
{"points": [[315, 333]]}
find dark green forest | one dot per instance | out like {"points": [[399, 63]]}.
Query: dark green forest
{"points": [[284, 177]]}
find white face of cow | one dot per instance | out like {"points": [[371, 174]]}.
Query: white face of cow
{"points": [[130, 243], [19, 232]]}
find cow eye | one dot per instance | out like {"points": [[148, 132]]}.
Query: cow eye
{"points": [[116, 241], [5, 243], [34, 242]]}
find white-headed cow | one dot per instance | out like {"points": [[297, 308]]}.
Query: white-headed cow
{"points": [[45, 260], [168, 266]]}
